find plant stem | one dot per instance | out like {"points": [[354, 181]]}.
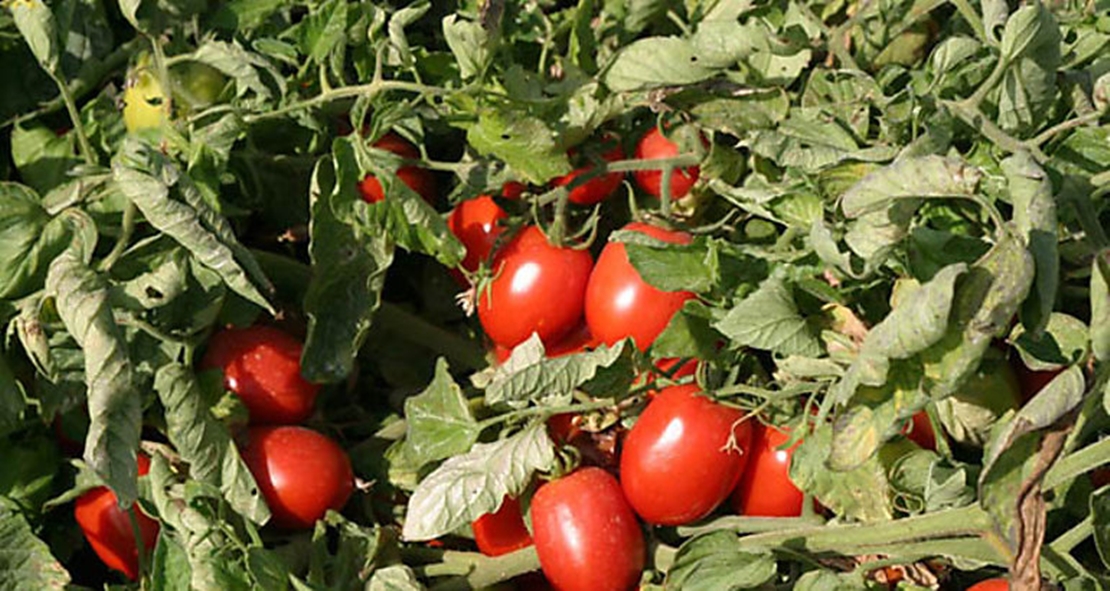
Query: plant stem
{"points": [[544, 410], [1074, 536], [1051, 132], [75, 117], [751, 525], [968, 12], [127, 227], [1084, 460], [370, 89], [968, 112], [470, 570]]}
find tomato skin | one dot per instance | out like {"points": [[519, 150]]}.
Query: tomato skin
{"points": [[418, 179], [766, 490], [1032, 381], [475, 222], [652, 146], [502, 531], [675, 464], [998, 584], [300, 472], [598, 188], [262, 365], [537, 288], [586, 535], [620, 304], [513, 190], [108, 529], [920, 430]]}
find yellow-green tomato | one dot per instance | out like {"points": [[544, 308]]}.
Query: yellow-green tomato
{"points": [[145, 104]]}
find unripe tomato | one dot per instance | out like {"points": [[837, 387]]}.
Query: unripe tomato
{"points": [[765, 489], [262, 365], [598, 188], [653, 146], [683, 456], [586, 535], [197, 84], [300, 472], [536, 287], [502, 531], [145, 103], [108, 528], [620, 304], [475, 222], [418, 179], [998, 584]]}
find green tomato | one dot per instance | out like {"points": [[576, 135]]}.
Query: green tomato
{"points": [[197, 85], [993, 390]]}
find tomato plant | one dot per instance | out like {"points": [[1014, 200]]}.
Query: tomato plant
{"points": [[536, 287], [262, 365], [765, 489], [597, 188], [654, 145], [586, 535], [300, 472], [416, 178], [502, 531], [108, 528], [683, 456], [920, 430], [476, 223], [991, 585]]}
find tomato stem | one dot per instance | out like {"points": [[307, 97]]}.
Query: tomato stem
{"points": [[471, 570], [371, 89], [544, 411], [1084, 460]]}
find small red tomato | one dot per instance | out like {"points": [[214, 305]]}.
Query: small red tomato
{"points": [[475, 223], [1032, 381], [262, 365], [502, 531], [683, 456], [1100, 477], [596, 189], [300, 472], [418, 179], [653, 146], [998, 584], [513, 189], [536, 287], [765, 489], [108, 528], [620, 304], [586, 535], [920, 431]]}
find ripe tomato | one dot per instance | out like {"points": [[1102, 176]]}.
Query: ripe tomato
{"points": [[577, 341], [998, 584], [262, 365], [513, 189], [502, 531], [920, 430], [300, 472], [475, 223], [1032, 381], [108, 528], [418, 179], [620, 304], [596, 189], [537, 288], [653, 146], [683, 456], [766, 489], [586, 535]]}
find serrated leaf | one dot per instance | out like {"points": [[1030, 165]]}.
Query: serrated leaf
{"points": [[1064, 341], [398, 577], [768, 319], [670, 267], [26, 562], [523, 142], [469, 43], [439, 420], [715, 562], [115, 406], [1100, 306], [910, 178], [654, 62], [528, 377], [860, 493], [345, 563], [29, 239], [466, 487], [205, 443]]}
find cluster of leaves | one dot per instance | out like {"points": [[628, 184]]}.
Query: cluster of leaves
{"points": [[888, 186]]}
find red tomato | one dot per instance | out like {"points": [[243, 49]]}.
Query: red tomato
{"points": [[577, 341], [654, 145], [108, 528], [300, 472], [586, 535], [262, 365], [537, 288], [766, 489], [1032, 381], [502, 531], [513, 190], [620, 304], [683, 456], [418, 179], [475, 223], [991, 585], [1100, 477], [596, 189], [920, 430]]}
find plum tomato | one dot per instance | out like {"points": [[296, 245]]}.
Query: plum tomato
{"points": [[683, 456], [765, 489], [536, 287], [418, 179], [619, 303], [920, 431], [262, 365], [502, 531], [596, 189], [300, 472], [475, 222], [586, 535], [108, 528], [653, 146], [998, 584]]}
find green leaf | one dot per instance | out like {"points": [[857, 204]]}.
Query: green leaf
{"points": [[470, 44], [115, 405], [1029, 30], [43, 157], [36, 24], [1035, 218], [29, 239], [169, 568], [1100, 514], [654, 62], [245, 67], [715, 562], [1100, 305], [910, 178], [12, 403], [523, 142], [27, 476], [1030, 47], [827, 580], [26, 562], [1063, 342], [738, 115], [345, 563], [768, 319], [205, 443], [670, 267], [397, 577], [874, 415], [468, 486], [323, 30], [860, 493], [688, 334], [439, 420], [530, 376]]}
